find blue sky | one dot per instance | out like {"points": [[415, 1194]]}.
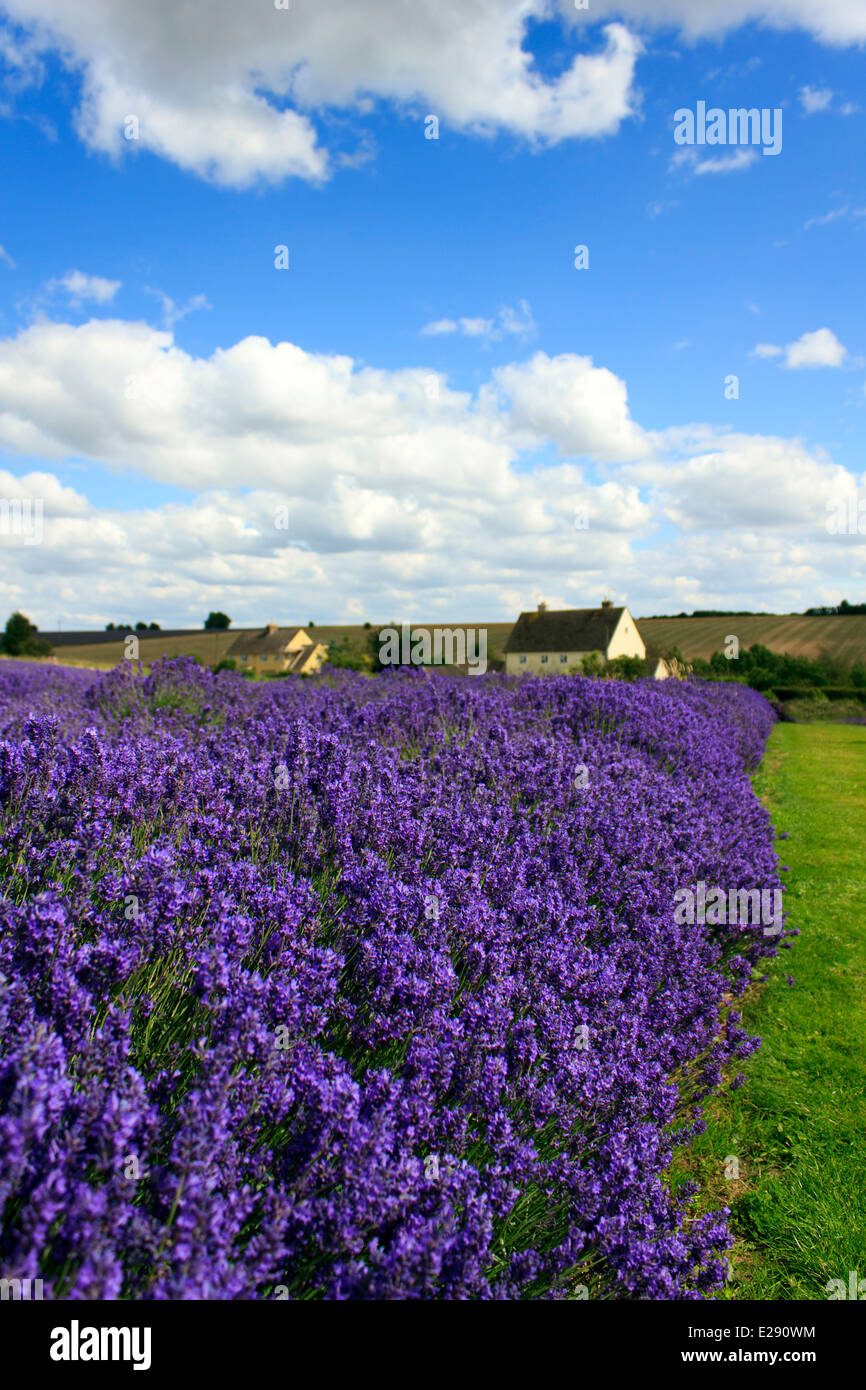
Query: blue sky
{"points": [[432, 392]]}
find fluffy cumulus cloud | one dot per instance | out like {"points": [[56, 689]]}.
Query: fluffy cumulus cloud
{"points": [[79, 287], [711, 485], [231, 95], [831, 21], [293, 483], [819, 349], [581, 408], [45, 488]]}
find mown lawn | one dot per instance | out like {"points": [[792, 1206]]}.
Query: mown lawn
{"points": [[797, 1128]]}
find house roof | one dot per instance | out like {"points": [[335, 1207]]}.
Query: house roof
{"points": [[263, 642], [569, 630], [299, 661]]}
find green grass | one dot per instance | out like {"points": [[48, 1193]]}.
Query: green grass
{"points": [[797, 1126]]}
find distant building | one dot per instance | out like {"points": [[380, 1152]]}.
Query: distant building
{"points": [[546, 643], [278, 648], [659, 666]]}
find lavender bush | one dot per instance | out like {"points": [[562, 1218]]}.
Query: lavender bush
{"points": [[366, 989]]}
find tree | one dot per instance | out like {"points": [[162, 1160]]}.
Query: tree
{"points": [[21, 639], [625, 668], [592, 665], [154, 627], [376, 644], [140, 626], [343, 655], [109, 627], [217, 622]]}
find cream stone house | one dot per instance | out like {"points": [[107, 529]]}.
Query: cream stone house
{"points": [[546, 643], [278, 648], [659, 666]]}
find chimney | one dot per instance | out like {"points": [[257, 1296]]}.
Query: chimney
{"points": [[273, 627], [607, 603], [542, 607]]}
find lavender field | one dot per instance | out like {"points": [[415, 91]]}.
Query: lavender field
{"points": [[363, 988]]}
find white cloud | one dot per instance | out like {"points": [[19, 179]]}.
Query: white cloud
{"points": [[714, 489], [4, 256], [517, 322], [172, 313], [80, 287], [835, 215], [45, 488], [819, 349], [832, 21], [581, 408], [231, 97], [814, 99], [440, 326], [125, 394], [401, 500], [689, 159]]}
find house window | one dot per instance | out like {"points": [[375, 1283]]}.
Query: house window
{"points": [[523, 661], [545, 659], [563, 658]]}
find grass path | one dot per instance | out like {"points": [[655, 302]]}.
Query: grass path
{"points": [[798, 1127]]}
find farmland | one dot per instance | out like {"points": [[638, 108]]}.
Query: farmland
{"points": [[841, 638], [354, 988], [211, 647]]}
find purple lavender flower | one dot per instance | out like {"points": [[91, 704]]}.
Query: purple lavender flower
{"points": [[349, 988]]}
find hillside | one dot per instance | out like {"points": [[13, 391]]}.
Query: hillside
{"points": [[106, 649], [841, 638]]}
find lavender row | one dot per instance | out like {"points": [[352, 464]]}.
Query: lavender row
{"points": [[355, 988]]}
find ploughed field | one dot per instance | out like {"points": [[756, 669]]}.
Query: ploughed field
{"points": [[354, 988], [840, 638]]}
